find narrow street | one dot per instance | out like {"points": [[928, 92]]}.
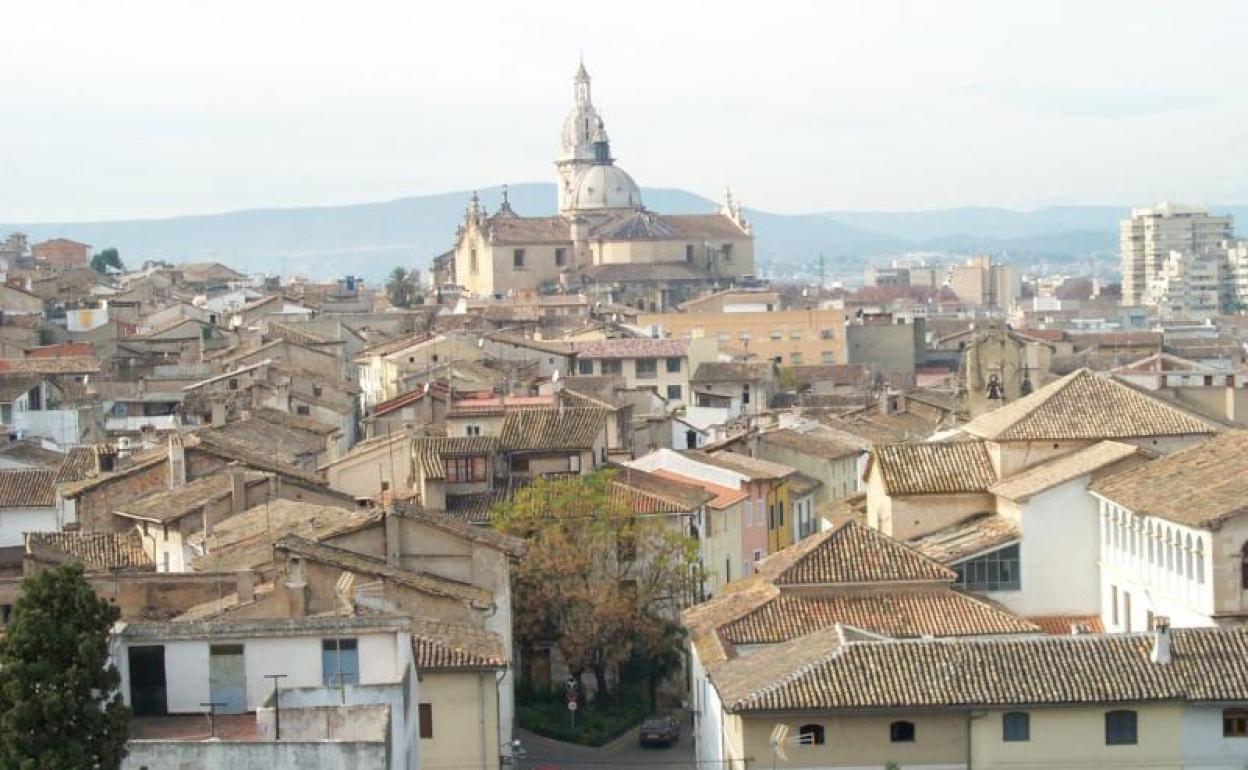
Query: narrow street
{"points": [[623, 752]]}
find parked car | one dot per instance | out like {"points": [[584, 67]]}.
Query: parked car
{"points": [[659, 731]]}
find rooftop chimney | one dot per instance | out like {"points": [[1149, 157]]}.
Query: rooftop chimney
{"points": [[394, 539], [238, 490], [296, 588], [1161, 641], [246, 585]]}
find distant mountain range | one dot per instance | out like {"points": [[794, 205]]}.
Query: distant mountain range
{"points": [[369, 239]]}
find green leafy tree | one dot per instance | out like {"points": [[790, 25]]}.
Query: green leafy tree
{"points": [[105, 259], [598, 581], [401, 290], [59, 705]]}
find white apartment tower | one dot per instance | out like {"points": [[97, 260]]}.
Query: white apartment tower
{"points": [[1148, 237]]}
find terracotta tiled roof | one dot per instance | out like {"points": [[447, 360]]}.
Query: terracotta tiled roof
{"points": [[840, 374], [452, 647], [473, 508], [629, 272], [704, 620], [969, 537], [824, 671], [800, 484], [57, 365], [556, 429], [172, 504], [28, 488], [1198, 487], [367, 565], [297, 422], [429, 451], [97, 551], [520, 230], [856, 553], [652, 493], [558, 347], [1058, 471], [701, 225], [78, 464], [1086, 406], [934, 468], [512, 546], [896, 614], [751, 467], [728, 371], [14, 386], [635, 347], [816, 442], [1062, 625], [722, 496], [29, 453], [240, 447]]}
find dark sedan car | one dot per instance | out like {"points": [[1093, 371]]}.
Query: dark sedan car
{"points": [[659, 731]]}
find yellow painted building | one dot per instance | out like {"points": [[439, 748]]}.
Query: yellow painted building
{"points": [[1165, 699], [796, 337]]}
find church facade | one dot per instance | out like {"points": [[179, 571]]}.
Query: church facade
{"points": [[603, 240]]}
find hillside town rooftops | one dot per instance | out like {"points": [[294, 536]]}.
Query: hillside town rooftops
{"points": [[710, 372], [830, 671], [1086, 406], [27, 488], [897, 614], [440, 646], [97, 551], [753, 468], [856, 553], [636, 347], [967, 538], [429, 451], [934, 468], [561, 429], [821, 443], [1070, 466], [1200, 486]]}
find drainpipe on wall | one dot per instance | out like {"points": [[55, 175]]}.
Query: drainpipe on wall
{"points": [[481, 714]]}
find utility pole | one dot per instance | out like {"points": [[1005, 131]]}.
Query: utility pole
{"points": [[277, 705]]}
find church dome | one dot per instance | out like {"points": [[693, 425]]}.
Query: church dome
{"points": [[604, 186]]}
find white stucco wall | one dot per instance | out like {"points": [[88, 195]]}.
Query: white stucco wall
{"points": [[16, 521], [1058, 554]]}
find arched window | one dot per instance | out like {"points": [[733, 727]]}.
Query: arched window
{"points": [[1152, 542], [1200, 561], [901, 732], [1168, 545], [1187, 557], [1243, 568], [810, 735]]}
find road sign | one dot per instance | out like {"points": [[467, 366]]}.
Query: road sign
{"points": [[571, 705]]}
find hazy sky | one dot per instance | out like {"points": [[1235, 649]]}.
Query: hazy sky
{"points": [[126, 109]]}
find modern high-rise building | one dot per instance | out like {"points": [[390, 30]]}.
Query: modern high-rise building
{"points": [[1148, 237]]}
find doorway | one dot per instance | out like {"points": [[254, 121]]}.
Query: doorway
{"points": [[147, 681], [227, 678]]}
